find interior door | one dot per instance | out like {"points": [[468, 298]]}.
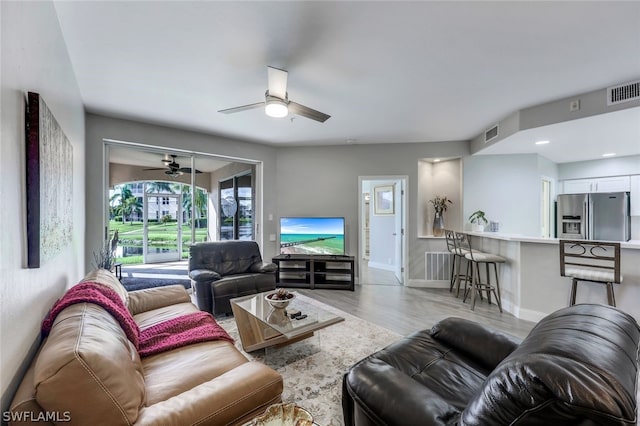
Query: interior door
{"points": [[162, 237], [399, 231]]}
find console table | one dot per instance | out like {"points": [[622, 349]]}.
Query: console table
{"points": [[315, 271]]}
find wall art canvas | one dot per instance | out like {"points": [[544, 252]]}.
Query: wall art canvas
{"points": [[49, 184]]}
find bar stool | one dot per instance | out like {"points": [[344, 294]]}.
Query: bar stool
{"points": [[592, 261], [458, 255], [475, 258]]}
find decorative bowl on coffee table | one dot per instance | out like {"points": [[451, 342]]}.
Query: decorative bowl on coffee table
{"points": [[279, 303], [284, 415]]}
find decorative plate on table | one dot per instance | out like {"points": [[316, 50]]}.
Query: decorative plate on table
{"points": [[284, 415]]}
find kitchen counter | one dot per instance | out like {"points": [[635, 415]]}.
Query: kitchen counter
{"points": [[531, 284], [631, 244]]}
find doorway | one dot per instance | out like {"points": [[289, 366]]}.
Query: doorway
{"points": [[235, 198], [167, 209], [382, 217]]}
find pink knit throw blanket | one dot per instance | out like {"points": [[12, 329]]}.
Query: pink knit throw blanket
{"points": [[89, 292], [181, 331], [170, 334]]}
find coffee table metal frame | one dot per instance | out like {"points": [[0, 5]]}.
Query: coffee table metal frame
{"points": [[261, 326]]}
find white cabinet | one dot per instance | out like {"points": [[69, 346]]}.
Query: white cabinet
{"points": [[576, 186], [608, 184], [612, 184], [635, 195]]}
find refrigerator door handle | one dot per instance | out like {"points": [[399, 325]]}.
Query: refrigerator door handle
{"points": [[586, 221]]}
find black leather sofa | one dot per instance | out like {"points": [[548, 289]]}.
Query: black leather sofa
{"points": [[578, 366], [222, 270]]}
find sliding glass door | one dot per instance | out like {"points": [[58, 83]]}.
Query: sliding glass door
{"points": [[236, 208]]}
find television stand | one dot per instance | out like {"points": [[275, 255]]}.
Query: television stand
{"points": [[315, 271]]}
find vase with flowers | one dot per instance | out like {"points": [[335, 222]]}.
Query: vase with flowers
{"points": [[440, 205]]}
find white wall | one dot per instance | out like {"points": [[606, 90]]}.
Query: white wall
{"points": [[34, 58], [323, 181], [444, 179], [616, 166], [506, 188]]}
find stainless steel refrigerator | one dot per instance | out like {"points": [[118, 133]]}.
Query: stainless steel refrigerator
{"points": [[596, 216]]}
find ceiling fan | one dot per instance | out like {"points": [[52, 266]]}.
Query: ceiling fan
{"points": [[173, 169], [276, 103]]}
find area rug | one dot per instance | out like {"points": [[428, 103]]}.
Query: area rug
{"points": [[312, 369], [139, 283]]}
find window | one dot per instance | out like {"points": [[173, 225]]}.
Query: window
{"points": [[165, 201]]}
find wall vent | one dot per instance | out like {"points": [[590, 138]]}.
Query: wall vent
{"points": [[437, 266], [491, 134], [623, 93]]}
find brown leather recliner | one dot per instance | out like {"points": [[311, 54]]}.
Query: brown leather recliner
{"points": [[578, 366], [222, 270]]}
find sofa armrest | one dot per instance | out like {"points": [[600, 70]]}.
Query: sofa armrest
{"points": [[481, 343], [204, 275], [235, 397], [263, 267], [385, 395], [157, 297]]}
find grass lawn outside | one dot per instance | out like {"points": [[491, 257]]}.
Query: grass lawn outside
{"points": [[160, 235]]}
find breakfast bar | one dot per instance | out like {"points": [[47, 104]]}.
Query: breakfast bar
{"points": [[531, 284]]}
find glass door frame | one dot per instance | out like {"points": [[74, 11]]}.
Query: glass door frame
{"points": [[148, 257], [237, 210]]}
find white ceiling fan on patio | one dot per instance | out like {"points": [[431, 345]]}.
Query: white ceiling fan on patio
{"points": [[277, 103]]}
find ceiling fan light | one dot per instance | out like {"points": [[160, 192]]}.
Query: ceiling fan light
{"points": [[276, 108]]}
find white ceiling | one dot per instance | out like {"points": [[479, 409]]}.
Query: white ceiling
{"points": [[147, 158], [385, 71]]}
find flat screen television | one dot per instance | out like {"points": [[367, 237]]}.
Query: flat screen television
{"points": [[312, 235]]}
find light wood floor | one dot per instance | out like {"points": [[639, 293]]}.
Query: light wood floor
{"points": [[381, 300], [405, 310]]}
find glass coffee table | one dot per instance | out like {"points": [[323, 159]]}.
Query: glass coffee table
{"points": [[261, 326]]}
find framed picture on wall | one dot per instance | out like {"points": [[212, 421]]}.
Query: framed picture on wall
{"points": [[383, 200], [49, 173]]}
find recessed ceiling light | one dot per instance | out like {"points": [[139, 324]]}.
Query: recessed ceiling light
{"points": [[609, 154], [436, 160], [542, 142]]}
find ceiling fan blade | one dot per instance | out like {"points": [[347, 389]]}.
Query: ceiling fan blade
{"points": [[296, 108], [187, 170], [277, 79], [155, 168], [242, 108]]}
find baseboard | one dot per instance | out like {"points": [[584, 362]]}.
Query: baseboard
{"points": [[8, 395], [428, 283], [529, 315]]}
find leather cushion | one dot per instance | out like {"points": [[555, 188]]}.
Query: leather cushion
{"points": [[171, 373], [224, 257], [106, 278], [88, 367], [577, 363]]}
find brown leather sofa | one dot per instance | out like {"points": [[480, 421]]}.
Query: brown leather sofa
{"points": [[87, 371], [222, 270], [578, 366]]}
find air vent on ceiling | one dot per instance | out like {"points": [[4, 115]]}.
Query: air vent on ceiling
{"points": [[491, 134], [623, 93]]}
